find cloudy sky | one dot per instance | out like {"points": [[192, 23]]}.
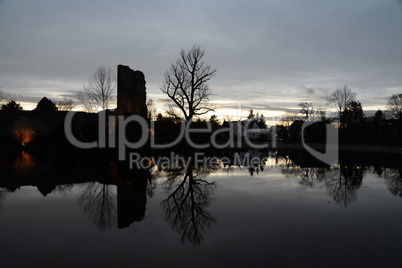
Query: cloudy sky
{"points": [[270, 55]]}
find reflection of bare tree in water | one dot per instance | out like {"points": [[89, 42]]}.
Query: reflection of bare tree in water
{"points": [[393, 180], [2, 197], [308, 175], [312, 175], [185, 208], [344, 182], [64, 189], [97, 202]]}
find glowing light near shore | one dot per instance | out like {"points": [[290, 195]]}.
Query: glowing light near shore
{"points": [[150, 130], [23, 133]]}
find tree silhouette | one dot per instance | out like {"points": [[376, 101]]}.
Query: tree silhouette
{"points": [[353, 114], [46, 104], [214, 122], [341, 98], [251, 114], [186, 84], [344, 182], [97, 202], [307, 110], [11, 106], [289, 118], [151, 110], [394, 106], [321, 113], [65, 104], [379, 116], [185, 208], [393, 180], [97, 93], [261, 122]]}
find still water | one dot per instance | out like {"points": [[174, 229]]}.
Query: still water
{"points": [[286, 212]]}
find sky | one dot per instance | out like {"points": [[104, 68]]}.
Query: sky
{"points": [[269, 55]]}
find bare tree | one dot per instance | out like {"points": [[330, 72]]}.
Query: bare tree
{"points": [[307, 110], [151, 109], [229, 117], [394, 106], [97, 93], [288, 119], [321, 113], [65, 104], [341, 98], [186, 84]]}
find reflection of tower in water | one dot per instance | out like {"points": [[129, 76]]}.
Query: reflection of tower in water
{"points": [[132, 186], [131, 201]]}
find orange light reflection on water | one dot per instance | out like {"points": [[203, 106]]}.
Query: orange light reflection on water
{"points": [[24, 162]]}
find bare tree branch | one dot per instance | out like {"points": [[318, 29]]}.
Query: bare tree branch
{"points": [[186, 84], [394, 106], [65, 104], [97, 202], [151, 109], [186, 206], [341, 98], [307, 109], [97, 93]]}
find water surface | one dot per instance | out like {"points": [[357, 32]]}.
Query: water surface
{"points": [[283, 213]]}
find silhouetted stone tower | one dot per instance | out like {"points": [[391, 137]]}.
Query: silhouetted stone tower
{"points": [[131, 92]]}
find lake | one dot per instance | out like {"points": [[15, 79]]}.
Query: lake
{"points": [[79, 210]]}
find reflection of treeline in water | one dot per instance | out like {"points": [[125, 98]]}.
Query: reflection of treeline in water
{"points": [[110, 191], [189, 191], [48, 169], [343, 180], [96, 175]]}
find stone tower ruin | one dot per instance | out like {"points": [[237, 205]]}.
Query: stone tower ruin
{"points": [[131, 92]]}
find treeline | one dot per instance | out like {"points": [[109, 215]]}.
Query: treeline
{"points": [[44, 104], [353, 125]]}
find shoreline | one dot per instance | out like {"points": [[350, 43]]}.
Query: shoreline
{"points": [[344, 147]]}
